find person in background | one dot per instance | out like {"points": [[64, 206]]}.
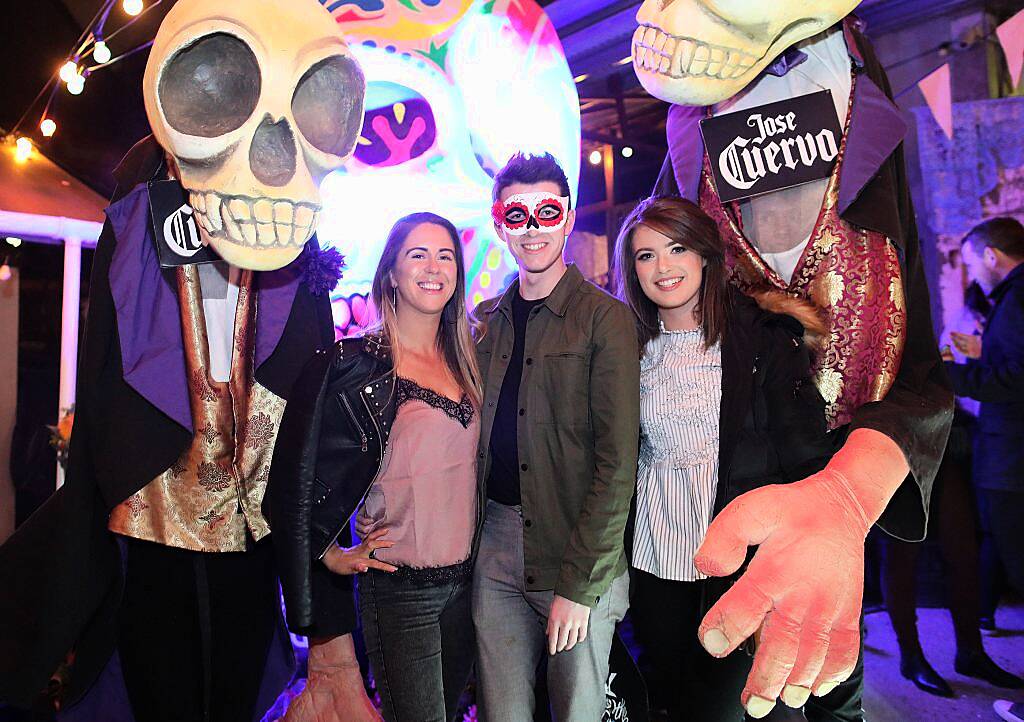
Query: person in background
{"points": [[953, 512], [726, 405], [993, 252]]}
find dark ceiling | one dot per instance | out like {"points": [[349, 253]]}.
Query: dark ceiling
{"points": [[97, 127]]}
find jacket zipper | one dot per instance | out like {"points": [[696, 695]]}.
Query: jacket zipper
{"points": [[380, 463], [352, 415]]}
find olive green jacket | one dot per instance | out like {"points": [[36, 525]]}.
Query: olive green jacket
{"points": [[579, 424]]}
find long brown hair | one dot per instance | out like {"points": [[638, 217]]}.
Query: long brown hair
{"points": [[685, 223], [454, 333]]}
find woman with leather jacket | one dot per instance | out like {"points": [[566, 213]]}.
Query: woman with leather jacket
{"points": [[726, 405], [387, 425]]}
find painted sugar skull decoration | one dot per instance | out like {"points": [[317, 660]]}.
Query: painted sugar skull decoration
{"points": [[454, 88], [700, 52], [256, 102]]}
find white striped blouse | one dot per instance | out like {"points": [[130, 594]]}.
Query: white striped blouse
{"points": [[680, 396]]}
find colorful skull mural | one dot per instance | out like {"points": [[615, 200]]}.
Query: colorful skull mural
{"points": [[454, 88]]}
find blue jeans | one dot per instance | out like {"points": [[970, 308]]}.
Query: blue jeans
{"points": [[419, 638], [511, 640]]}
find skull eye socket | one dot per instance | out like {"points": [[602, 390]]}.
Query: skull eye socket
{"points": [[210, 87], [328, 105]]}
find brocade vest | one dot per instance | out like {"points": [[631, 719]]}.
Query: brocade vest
{"points": [[209, 499], [852, 274]]}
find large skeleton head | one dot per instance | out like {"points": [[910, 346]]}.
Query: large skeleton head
{"points": [[256, 102], [700, 52]]}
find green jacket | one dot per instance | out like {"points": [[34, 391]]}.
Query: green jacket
{"points": [[578, 438]]}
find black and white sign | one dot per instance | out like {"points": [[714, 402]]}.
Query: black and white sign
{"points": [[773, 146], [174, 226]]}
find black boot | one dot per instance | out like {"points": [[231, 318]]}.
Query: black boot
{"points": [[915, 667], [980, 666]]}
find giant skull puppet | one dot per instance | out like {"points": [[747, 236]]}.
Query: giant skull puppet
{"points": [[699, 52], [804, 606], [256, 102]]}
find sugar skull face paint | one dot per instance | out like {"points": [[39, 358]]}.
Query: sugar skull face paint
{"points": [[525, 211]]}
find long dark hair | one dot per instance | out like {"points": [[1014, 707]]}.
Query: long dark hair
{"points": [[685, 223], [455, 332]]}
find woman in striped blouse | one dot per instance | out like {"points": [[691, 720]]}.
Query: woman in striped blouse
{"points": [[726, 405]]}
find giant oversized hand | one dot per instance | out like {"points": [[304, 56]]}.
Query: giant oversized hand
{"points": [[804, 585], [334, 691]]}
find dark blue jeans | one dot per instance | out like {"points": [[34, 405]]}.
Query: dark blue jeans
{"points": [[1002, 532], [420, 641]]}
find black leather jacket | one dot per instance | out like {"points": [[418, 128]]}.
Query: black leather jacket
{"points": [[328, 452]]}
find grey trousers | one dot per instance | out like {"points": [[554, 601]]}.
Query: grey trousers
{"points": [[511, 641]]}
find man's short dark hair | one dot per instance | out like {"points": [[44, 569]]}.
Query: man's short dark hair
{"points": [[530, 169], [1003, 234]]}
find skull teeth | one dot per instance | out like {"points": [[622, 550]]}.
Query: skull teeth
{"points": [[254, 222], [656, 51]]}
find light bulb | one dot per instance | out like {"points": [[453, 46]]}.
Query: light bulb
{"points": [[47, 127], [595, 157], [68, 70], [132, 7], [22, 149], [100, 52], [14, 241], [5, 273], [76, 85], [627, 152]]}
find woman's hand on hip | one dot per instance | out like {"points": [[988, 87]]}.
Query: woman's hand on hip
{"points": [[359, 558]]}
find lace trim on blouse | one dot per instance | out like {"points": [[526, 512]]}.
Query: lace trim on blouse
{"points": [[462, 411], [435, 576]]}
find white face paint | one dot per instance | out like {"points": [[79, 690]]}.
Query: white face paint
{"points": [[701, 52], [523, 212], [257, 102]]}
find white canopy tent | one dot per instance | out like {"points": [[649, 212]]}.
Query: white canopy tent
{"points": [[41, 203]]}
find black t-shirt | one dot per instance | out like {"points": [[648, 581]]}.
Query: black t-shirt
{"points": [[503, 481]]}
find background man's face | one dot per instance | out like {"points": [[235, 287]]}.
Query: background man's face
{"points": [[978, 269]]}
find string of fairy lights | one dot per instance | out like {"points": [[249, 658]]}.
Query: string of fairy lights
{"points": [[92, 51]]}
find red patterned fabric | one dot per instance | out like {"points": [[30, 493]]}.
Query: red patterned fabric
{"points": [[852, 274]]}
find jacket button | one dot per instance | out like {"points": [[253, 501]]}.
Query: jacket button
{"points": [[504, 355], [529, 362], [528, 523], [490, 403], [524, 467], [529, 580], [522, 412], [481, 455]]}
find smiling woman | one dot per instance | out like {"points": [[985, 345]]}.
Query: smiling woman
{"points": [[391, 422]]}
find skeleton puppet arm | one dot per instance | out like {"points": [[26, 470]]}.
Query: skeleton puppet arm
{"points": [[804, 584]]}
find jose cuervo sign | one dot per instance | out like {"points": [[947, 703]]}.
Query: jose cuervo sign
{"points": [[174, 226], [773, 146]]}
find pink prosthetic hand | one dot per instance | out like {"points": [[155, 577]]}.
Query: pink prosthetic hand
{"points": [[804, 586], [334, 691]]}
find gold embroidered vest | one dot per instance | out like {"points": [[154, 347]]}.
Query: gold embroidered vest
{"points": [[209, 500], [853, 274]]}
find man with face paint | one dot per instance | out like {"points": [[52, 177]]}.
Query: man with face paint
{"points": [[558, 450]]}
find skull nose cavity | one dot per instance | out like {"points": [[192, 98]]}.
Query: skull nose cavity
{"points": [[273, 152]]}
